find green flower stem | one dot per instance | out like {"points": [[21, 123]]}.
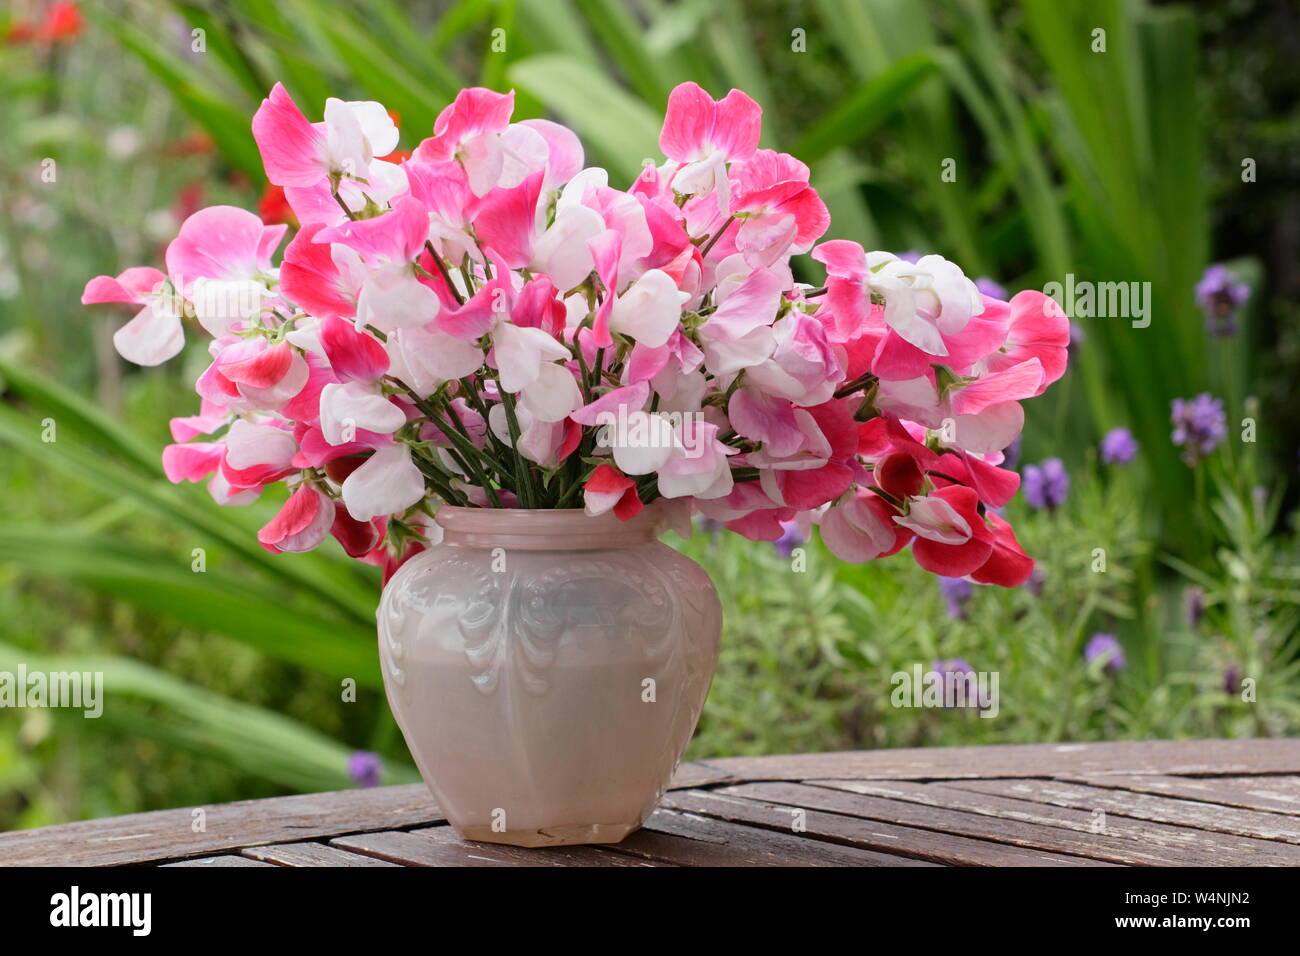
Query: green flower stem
{"points": [[524, 489], [442, 267]]}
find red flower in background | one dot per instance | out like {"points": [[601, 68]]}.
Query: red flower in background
{"points": [[62, 23], [274, 208]]}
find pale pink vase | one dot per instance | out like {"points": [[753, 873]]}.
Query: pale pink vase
{"points": [[547, 670]]}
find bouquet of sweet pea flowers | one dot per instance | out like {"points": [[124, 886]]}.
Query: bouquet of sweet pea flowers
{"points": [[489, 323]]}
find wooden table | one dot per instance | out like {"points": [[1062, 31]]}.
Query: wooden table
{"points": [[1209, 802]]}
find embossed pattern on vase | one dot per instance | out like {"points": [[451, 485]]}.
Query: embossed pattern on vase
{"points": [[549, 700]]}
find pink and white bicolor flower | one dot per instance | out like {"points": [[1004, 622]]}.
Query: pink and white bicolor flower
{"points": [[923, 301], [299, 153], [469, 132], [302, 524], [705, 135], [155, 334], [392, 295]]}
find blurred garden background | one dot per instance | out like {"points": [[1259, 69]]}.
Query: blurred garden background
{"points": [[1164, 149]]}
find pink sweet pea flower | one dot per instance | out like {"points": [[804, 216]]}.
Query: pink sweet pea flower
{"points": [[779, 212], [469, 131], [650, 310], [767, 419], [698, 465], [353, 355], [738, 334], [1038, 330], [193, 461], [251, 374], [155, 334], [924, 301], [302, 524], [299, 153], [257, 454], [349, 409], [608, 489], [860, 527], [705, 134], [391, 296], [321, 278], [804, 367], [952, 538]]}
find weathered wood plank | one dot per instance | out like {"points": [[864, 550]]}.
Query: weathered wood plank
{"points": [[442, 846], [220, 861], [840, 797], [921, 844], [692, 840], [1143, 806], [698, 774], [169, 834], [1178, 846], [1025, 760], [310, 854], [1278, 794]]}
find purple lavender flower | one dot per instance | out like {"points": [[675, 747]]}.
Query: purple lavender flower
{"points": [[791, 537], [1221, 295], [1199, 426], [1118, 447], [990, 288], [1231, 679], [711, 527], [365, 767], [1106, 647], [1046, 484], [1195, 598], [956, 592], [1011, 454], [911, 255], [1034, 583], [954, 674]]}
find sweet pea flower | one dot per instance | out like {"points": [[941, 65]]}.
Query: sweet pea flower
{"points": [[608, 490], [391, 295], [155, 334], [704, 135], [299, 153], [387, 483], [302, 524], [489, 323], [469, 132]]}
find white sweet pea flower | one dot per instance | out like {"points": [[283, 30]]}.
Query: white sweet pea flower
{"points": [[355, 133], [650, 310], [924, 301], [249, 444], [387, 483], [356, 406]]}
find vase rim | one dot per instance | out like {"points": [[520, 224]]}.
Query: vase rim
{"points": [[546, 529]]}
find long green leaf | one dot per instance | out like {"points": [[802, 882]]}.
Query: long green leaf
{"points": [[863, 110], [165, 583]]}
